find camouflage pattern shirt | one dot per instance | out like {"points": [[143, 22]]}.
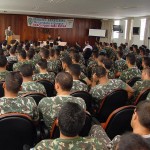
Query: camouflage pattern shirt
{"points": [[3, 75], [47, 76], [79, 86], [148, 97], [32, 86], [130, 73], [53, 65], [101, 90], [98, 132], [25, 105], [139, 86], [111, 75], [50, 106], [16, 66], [12, 58], [78, 143], [120, 65]]}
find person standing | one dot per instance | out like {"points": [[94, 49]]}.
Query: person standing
{"points": [[8, 32]]}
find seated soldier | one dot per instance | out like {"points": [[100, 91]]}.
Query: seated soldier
{"points": [[140, 122], [145, 62], [28, 84], [71, 119], [132, 141], [106, 85], [66, 62], [108, 65], [76, 60], [44, 74], [12, 53], [3, 71], [120, 64], [50, 106], [21, 60], [53, 64], [132, 70], [11, 103], [30, 54], [75, 71], [139, 86]]}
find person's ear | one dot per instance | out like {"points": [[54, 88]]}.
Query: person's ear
{"points": [[20, 88], [56, 86], [4, 85], [57, 122]]}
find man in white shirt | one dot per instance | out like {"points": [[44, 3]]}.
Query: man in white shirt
{"points": [[87, 45]]}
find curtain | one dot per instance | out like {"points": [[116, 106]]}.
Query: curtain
{"points": [[147, 32], [108, 26], [129, 38]]}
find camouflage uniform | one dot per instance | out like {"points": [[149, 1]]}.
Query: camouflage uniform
{"points": [[3, 75], [120, 65], [36, 58], [25, 105], [98, 132], [47, 76], [79, 86], [79, 143], [100, 91], [91, 68], [12, 58], [130, 73], [64, 54], [50, 106], [111, 74], [140, 86], [31, 86], [113, 55], [82, 61], [148, 97], [53, 65], [16, 66], [83, 76]]}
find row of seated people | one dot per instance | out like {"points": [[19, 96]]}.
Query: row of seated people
{"points": [[71, 120], [27, 73]]}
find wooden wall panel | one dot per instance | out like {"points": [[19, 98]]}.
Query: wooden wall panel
{"points": [[79, 32]]}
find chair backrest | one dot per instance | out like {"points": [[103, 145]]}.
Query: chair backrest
{"points": [[16, 130], [86, 97], [55, 133], [36, 96], [48, 86], [142, 96], [1, 89], [133, 80], [119, 121], [9, 66], [111, 102]]}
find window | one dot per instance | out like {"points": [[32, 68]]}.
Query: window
{"points": [[125, 30], [142, 31], [116, 33]]}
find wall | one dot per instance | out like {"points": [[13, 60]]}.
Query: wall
{"points": [[79, 32], [135, 38]]}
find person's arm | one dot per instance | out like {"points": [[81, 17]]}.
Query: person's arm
{"points": [[129, 90]]}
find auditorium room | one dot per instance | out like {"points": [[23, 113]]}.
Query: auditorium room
{"points": [[74, 75]]}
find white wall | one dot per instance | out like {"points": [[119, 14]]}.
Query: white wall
{"points": [[135, 38]]}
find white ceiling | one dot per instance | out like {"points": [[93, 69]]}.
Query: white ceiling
{"points": [[109, 9]]}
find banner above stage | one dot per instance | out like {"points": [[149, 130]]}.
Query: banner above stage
{"points": [[49, 23]]}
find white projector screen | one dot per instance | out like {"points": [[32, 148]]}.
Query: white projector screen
{"points": [[97, 32]]}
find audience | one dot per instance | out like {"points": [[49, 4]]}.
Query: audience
{"points": [[75, 71], [3, 71], [44, 74], [50, 106], [106, 85], [71, 119], [11, 103], [28, 85], [132, 70]]}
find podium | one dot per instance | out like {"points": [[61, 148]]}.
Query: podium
{"points": [[13, 37]]}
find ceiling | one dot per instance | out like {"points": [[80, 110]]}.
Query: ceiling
{"points": [[103, 9]]}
